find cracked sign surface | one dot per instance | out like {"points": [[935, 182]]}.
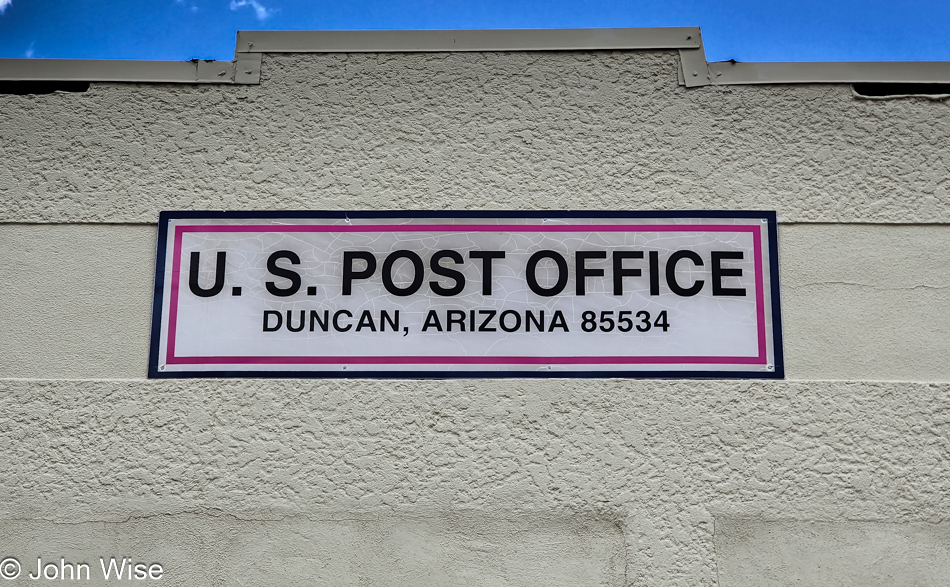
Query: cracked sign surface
{"points": [[466, 294]]}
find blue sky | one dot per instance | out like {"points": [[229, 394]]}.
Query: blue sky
{"points": [[746, 30]]}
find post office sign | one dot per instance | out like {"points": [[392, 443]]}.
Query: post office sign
{"points": [[466, 294]]}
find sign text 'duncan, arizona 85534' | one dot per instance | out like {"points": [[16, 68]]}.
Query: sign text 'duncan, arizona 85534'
{"points": [[466, 294]]}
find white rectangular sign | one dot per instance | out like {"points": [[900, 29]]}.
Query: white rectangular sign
{"points": [[466, 294]]}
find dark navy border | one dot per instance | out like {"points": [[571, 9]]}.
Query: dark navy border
{"points": [[158, 293], [778, 348], [162, 246]]}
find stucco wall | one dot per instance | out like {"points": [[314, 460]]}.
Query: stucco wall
{"points": [[809, 481], [599, 130]]}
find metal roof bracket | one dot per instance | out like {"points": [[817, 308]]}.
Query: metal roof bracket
{"points": [[247, 68], [693, 69]]}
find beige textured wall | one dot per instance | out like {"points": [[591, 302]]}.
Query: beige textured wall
{"points": [[525, 130], [839, 554], [836, 476], [343, 549]]}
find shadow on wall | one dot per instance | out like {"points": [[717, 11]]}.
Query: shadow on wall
{"points": [[463, 550], [754, 553]]}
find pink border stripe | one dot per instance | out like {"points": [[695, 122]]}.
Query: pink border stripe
{"points": [[172, 359], [459, 360], [468, 228], [759, 295], [173, 302]]}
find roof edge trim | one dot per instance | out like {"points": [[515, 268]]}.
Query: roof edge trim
{"points": [[411, 41], [116, 70], [693, 71], [849, 72]]}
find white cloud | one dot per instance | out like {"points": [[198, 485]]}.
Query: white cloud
{"points": [[192, 8], [29, 52], [260, 11], [4, 4]]}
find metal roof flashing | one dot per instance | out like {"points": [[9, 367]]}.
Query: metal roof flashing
{"points": [[244, 69], [694, 70], [850, 72], [467, 40]]}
